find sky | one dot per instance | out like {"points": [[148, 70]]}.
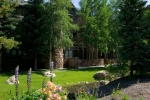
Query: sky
{"points": [[76, 2]]}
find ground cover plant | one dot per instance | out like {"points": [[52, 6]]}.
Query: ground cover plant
{"points": [[63, 77]]}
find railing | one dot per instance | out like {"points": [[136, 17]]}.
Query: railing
{"points": [[94, 62], [75, 62]]}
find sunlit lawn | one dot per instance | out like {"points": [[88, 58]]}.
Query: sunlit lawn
{"points": [[63, 77]]}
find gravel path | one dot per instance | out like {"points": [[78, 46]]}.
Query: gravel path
{"points": [[134, 88]]}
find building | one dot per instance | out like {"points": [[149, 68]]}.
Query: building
{"points": [[78, 55]]}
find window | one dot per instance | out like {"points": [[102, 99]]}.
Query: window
{"points": [[14, 52], [68, 53]]}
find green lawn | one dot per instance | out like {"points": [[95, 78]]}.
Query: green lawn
{"points": [[63, 77]]}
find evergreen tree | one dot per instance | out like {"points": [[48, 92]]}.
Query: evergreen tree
{"points": [[8, 22], [31, 28], [131, 34]]}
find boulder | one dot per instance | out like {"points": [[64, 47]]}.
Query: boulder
{"points": [[49, 74], [11, 80]]}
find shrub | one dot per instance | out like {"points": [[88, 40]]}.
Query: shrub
{"points": [[32, 95], [54, 92], [101, 75], [87, 93]]}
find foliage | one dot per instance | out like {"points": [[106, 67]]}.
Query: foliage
{"points": [[131, 45], [54, 92], [125, 97], [95, 29], [101, 75], [59, 24], [46, 25], [8, 22], [8, 42], [32, 95], [31, 30], [87, 93], [119, 70], [116, 92], [7, 7]]}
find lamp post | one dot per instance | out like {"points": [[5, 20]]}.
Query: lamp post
{"points": [[51, 71]]}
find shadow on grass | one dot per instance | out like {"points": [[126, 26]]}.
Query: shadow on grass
{"points": [[85, 69], [40, 71], [10, 73]]}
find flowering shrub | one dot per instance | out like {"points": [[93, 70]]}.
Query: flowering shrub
{"points": [[53, 92], [49, 92]]}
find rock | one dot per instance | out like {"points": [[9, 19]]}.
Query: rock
{"points": [[101, 75], [49, 74], [11, 80], [104, 82]]}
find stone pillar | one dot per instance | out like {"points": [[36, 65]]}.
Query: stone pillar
{"points": [[58, 58]]}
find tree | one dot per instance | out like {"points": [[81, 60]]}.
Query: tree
{"points": [[46, 27], [59, 27], [96, 17], [131, 34], [32, 30], [8, 22], [114, 27]]}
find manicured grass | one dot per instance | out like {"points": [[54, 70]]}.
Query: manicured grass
{"points": [[63, 77]]}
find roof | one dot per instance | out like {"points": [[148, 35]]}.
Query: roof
{"points": [[22, 2]]}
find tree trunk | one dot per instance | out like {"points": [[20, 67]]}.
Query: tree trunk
{"points": [[131, 68], [35, 62], [58, 58], [105, 59], [83, 53]]}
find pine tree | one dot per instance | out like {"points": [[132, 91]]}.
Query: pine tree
{"points": [[31, 28], [8, 22], [131, 35]]}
